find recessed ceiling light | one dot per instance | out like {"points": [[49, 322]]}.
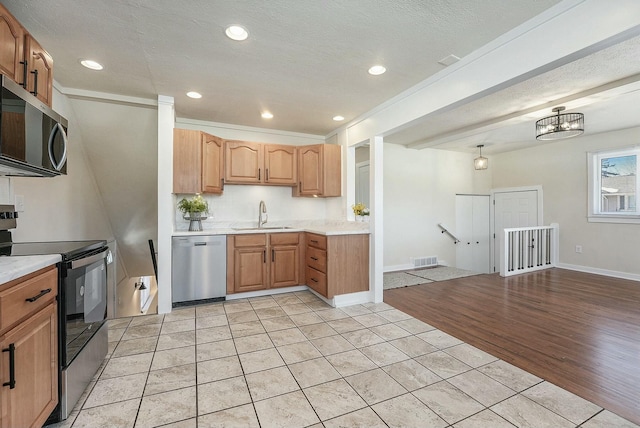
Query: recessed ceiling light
{"points": [[236, 32], [377, 70], [92, 65], [194, 94], [266, 115], [338, 118]]}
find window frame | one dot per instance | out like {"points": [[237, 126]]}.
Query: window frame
{"points": [[594, 186]]}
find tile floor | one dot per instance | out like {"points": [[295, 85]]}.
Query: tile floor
{"points": [[290, 360]]}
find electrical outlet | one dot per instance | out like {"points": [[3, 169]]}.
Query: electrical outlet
{"points": [[579, 249]]}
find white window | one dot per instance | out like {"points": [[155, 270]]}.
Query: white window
{"points": [[613, 185]]}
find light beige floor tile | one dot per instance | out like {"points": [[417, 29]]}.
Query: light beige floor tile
{"points": [[362, 338], [139, 331], [212, 334], [411, 374], [316, 331], [270, 312], [115, 334], [470, 355], [275, 324], [370, 320], [218, 369], [263, 302], [484, 419], [525, 413], [111, 346], [562, 402], [287, 299], [394, 315], [246, 329], [351, 362], [332, 345], [606, 419], [122, 414], [118, 323], [135, 346], [210, 310], [186, 423], [443, 364], [286, 411], [176, 340], [378, 307], [333, 399], [222, 394], [167, 407], [242, 416], [313, 372], [231, 307], [170, 378], [413, 346], [117, 389], [360, 418], [253, 343], [355, 310], [211, 321], [510, 375], [261, 360], [174, 357], [242, 317], [389, 331], [147, 320], [287, 337], [178, 314], [345, 325], [296, 352], [178, 326], [306, 296], [122, 366], [384, 354], [481, 387], [212, 350], [332, 314], [439, 339], [299, 308], [272, 382], [414, 326], [448, 402], [375, 386], [407, 411], [306, 319], [318, 305]]}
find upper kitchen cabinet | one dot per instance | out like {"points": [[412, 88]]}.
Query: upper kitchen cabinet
{"points": [[40, 70], [256, 163], [12, 42], [198, 160], [319, 171]]}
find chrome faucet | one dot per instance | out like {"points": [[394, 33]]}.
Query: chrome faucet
{"points": [[262, 209]]}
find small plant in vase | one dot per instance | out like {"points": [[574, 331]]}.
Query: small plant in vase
{"points": [[194, 210], [360, 210]]}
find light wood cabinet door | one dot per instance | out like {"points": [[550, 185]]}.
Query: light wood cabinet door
{"points": [[187, 158], [40, 66], [280, 164], [310, 171], [212, 164], [285, 263], [12, 43], [33, 344], [243, 162], [250, 269]]}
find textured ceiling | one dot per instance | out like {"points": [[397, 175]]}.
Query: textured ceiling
{"points": [[305, 60]]}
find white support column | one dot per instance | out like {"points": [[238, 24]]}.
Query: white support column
{"points": [[376, 264], [166, 120]]}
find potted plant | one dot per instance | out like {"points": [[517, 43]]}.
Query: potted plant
{"points": [[358, 210], [194, 210]]}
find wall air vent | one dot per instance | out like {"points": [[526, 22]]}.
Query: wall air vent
{"points": [[419, 262]]}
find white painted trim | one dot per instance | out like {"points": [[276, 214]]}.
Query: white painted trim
{"points": [[260, 293], [598, 271], [105, 96], [181, 120], [395, 268], [351, 299], [376, 199]]}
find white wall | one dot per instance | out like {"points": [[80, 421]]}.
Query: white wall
{"points": [[420, 188], [561, 169]]}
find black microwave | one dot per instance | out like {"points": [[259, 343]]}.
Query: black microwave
{"points": [[33, 138]]}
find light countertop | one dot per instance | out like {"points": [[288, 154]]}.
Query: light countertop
{"points": [[321, 227], [12, 267]]}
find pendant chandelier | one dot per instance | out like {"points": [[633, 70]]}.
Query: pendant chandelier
{"points": [[480, 162], [561, 125]]}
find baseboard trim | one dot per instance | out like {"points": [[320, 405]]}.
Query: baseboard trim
{"points": [[397, 268], [597, 271], [351, 299], [268, 292]]}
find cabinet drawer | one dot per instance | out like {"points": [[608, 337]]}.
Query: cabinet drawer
{"points": [[17, 301], [318, 241], [317, 280], [317, 259], [251, 240], [284, 238]]}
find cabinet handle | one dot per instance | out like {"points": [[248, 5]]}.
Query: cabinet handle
{"points": [[35, 83], [314, 280], [314, 241], [315, 259], [12, 366], [264, 256], [258, 174], [37, 296], [24, 73], [267, 174], [273, 255]]}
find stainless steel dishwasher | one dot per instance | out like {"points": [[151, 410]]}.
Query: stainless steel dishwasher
{"points": [[199, 269]]}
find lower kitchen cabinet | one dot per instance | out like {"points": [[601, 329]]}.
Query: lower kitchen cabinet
{"points": [[29, 343]]}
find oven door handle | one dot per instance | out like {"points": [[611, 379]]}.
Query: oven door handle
{"points": [[88, 260]]}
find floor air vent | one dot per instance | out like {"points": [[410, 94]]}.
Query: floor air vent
{"points": [[425, 261]]}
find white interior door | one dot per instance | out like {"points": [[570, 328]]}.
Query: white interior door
{"points": [[362, 183], [513, 209], [464, 231], [473, 228]]}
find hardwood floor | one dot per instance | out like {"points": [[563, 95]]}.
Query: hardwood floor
{"points": [[576, 330]]}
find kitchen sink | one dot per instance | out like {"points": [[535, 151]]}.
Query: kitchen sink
{"points": [[263, 228]]}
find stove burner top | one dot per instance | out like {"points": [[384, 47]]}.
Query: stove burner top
{"points": [[67, 249]]}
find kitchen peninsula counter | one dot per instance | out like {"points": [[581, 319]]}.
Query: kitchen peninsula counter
{"points": [[320, 228], [12, 267]]}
